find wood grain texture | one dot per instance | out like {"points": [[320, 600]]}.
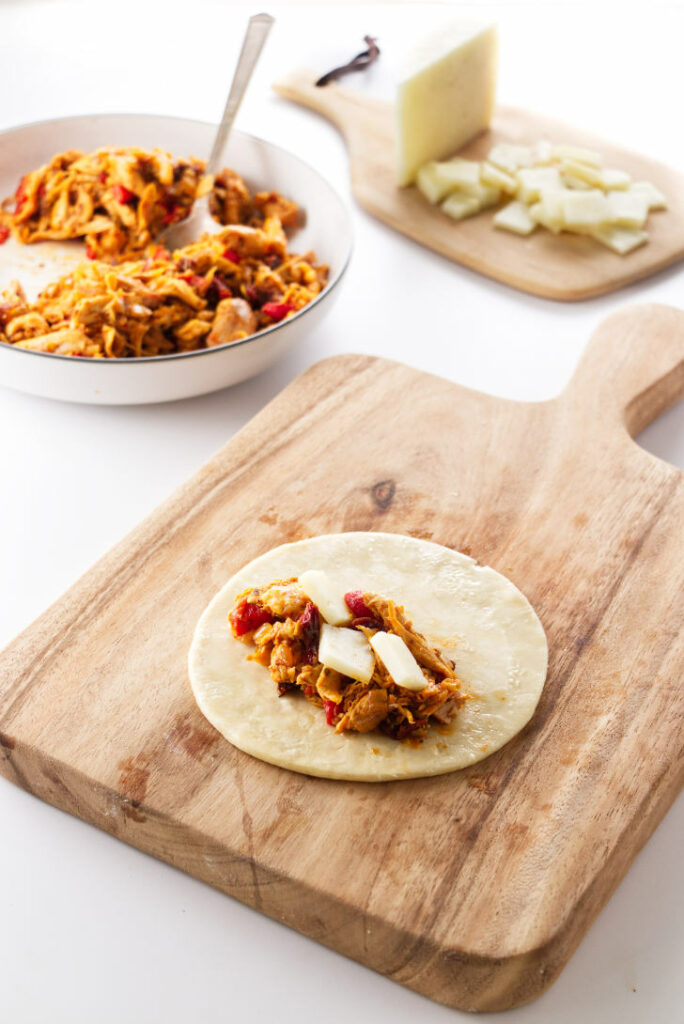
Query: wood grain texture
{"points": [[566, 267], [472, 888]]}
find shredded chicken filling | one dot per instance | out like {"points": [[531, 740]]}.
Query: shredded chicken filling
{"points": [[283, 625], [220, 289]]}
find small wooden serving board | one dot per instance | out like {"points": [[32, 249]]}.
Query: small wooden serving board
{"points": [[567, 267], [474, 887]]}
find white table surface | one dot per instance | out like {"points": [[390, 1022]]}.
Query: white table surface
{"points": [[91, 930]]}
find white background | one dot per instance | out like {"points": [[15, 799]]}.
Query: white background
{"points": [[91, 930]]}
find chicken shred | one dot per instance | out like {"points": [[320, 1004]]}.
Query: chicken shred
{"points": [[283, 626]]}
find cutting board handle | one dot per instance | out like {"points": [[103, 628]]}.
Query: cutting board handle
{"points": [[348, 110], [632, 369]]}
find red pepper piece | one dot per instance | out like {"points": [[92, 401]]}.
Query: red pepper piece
{"points": [[160, 253], [310, 626], [277, 310], [217, 291], [4, 233], [309, 691], [171, 207], [102, 177], [230, 254], [20, 194], [90, 253], [247, 617], [330, 711], [123, 195], [356, 605], [194, 280]]}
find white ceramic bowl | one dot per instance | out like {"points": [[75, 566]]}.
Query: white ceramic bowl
{"points": [[327, 231]]}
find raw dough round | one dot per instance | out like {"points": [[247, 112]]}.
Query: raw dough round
{"points": [[474, 614]]}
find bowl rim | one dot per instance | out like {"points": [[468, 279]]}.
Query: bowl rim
{"points": [[146, 360]]}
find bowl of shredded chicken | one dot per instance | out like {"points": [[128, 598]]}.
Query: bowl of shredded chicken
{"points": [[94, 217]]}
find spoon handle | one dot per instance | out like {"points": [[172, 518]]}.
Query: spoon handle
{"points": [[257, 31]]}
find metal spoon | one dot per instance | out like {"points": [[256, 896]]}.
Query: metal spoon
{"points": [[200, 220]]}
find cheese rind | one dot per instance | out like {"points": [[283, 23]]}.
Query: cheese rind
{"points": [[347, 651], [446, 95], [398, 660], [318, 588]]}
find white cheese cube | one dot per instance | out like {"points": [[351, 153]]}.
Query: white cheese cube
{"points": [[496, 178], [431, 184], [438, 178], [570, 181], [656, 199], [613, 178], [579, 154], [584, 172], [549, 210], [583, 210], [628, 209], [486, 196], [543, 152], [516, 218], [459, 206], [446, 95], [327, 598], [398, 660], [534, 180], [620, 240], [511, 158], [347, 651]]}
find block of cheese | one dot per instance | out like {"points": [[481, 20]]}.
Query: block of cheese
{"points": [[446, 95]]}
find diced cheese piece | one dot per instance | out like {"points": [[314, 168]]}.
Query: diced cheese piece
{"points": [[612, 178], [496, 178], [620, 240], [347, 651], [539, 216], [549, 210], [459, 206], [570, 181], [511, 158], [515, 217], [534, 180], [431, 183], [656, 199], [398, 660], [578, 153], [328, 599], [543, 152], [628, 209], [486, 196], [583, 210], [446, 95], [437, 179], [585, 172]]}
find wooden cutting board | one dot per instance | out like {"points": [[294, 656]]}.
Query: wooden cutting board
{"points": [[566, 267], [472, 888]]}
